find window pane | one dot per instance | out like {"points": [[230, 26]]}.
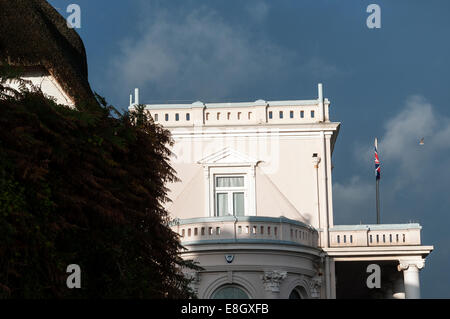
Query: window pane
{"points": [[238, 204], [294, 295], [237, 181], [222, 204], [229, 292]]}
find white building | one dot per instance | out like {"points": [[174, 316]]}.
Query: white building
{"points": [[255, 206], [41, 78]]}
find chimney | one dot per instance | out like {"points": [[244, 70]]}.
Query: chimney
{"points": [[321, 106], [136, 96]]}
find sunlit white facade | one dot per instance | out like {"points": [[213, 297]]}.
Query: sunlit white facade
{"points": [[255, 206], [40, 78]]}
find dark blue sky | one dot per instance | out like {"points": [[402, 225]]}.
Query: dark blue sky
{"points": [[390, 82]]}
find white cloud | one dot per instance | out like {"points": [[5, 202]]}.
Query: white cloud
{"points": [[400, 143], [320, 68], [197, 53], [417, 168], [258, 10]]}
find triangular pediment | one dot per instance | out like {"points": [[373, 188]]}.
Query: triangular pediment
{"points": [[228, 156]]}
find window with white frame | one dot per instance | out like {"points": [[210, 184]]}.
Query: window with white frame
{"points": [[230, 194], [230, 189]]}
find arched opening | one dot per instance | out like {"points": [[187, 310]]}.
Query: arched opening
{"points": [[298, 292], [230, 292]]}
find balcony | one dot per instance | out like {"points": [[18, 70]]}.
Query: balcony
{"points": [[375, 235], [245, 229]]}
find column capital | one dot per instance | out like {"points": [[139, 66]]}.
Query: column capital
{"points": [[411, 265], [315, 285], [410, 268], [272, 280]]}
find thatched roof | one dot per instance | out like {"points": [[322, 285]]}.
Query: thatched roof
{"points": [[33, 33]]}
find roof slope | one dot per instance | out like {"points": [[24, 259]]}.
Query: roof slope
{"points": [[33, 33]]}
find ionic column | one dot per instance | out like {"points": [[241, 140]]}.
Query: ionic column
{"points": [[398, 289], [411, 280]]}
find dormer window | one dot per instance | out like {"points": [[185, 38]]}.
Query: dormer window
{"points": [[230, 189], [230, 195]]}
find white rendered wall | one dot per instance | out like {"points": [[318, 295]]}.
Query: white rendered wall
{"points": [[284, 176], [47, 84]]}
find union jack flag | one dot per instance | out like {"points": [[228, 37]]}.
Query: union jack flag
{"points": [[377, 161]]}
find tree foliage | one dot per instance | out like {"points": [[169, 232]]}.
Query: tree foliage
{"points": [[84, 188]]}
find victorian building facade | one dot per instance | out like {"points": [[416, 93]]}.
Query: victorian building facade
{"points": [[254, 206]]}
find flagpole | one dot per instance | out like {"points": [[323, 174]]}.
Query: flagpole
{"points": [[377, 187], [378, 201]]}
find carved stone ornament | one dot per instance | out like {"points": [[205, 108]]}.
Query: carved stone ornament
{"points": [[315, 284], [229, 258], [273, 279], [410, 264]]}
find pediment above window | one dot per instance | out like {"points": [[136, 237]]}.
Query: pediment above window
{"points": [[228, 157]]}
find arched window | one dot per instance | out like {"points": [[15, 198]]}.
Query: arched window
{"points": [[230, 292], [295, 295], [298, 293]]}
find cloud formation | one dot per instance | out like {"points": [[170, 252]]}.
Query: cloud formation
{"points": [[196, 53], [199, 53], [258, 10], [406, 165]]}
